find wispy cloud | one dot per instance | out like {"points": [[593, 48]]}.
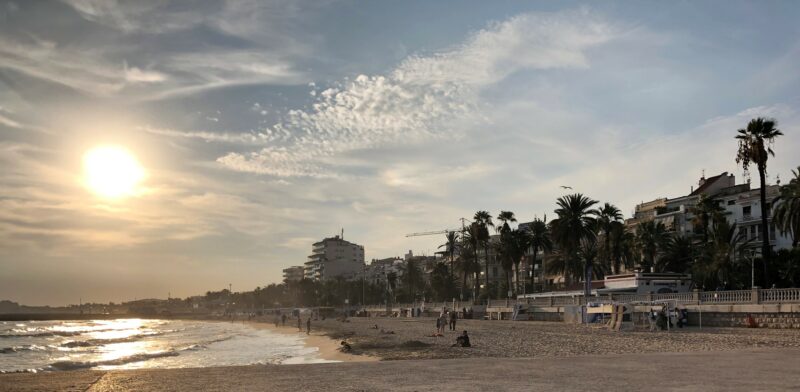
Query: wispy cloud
{"points": [[425, 98]]}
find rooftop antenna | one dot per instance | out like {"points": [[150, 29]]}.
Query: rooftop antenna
{"points": [[342, 233]]}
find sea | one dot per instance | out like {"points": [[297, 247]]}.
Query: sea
{"points": [[44, 346]]}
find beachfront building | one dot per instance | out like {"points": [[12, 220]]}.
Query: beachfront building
{"points": [[425, 264], [740, 205], [334, 257], [293, 274], [378, 270]]}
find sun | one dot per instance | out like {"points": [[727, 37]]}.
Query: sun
{"points": [[111, 171]]}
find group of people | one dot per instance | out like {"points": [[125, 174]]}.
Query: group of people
{"points": [[446, 318], [280, 320], [661, 319]]}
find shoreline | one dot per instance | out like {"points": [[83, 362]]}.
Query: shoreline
{"points": [[327, 347], [764, 369]]}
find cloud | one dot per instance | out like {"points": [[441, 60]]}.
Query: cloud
{"points": [[426, 98], [136, 75], [5, 120], [245, 138], [134, 16]]}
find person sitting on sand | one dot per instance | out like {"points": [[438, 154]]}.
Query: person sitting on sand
{"points": [[462, 341], [374, 326], [388, 332], [345, 347]]}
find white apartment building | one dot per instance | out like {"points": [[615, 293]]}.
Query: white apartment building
{"points": [[741, 204], [334, 257], [293, 274], [377, 270]]}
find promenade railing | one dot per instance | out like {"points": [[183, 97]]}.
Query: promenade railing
{"points": [[753, 296]]}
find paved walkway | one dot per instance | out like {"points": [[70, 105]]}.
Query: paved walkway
{"points": [[750, 370]]}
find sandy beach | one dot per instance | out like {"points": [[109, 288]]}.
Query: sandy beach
{"points": [[412, 339], [506, 355]]}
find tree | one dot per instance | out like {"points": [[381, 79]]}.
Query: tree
{"points": [[442, 282], [607, 216], [511, 249], [728, 247], [505, 217], [411, 279], [468, 257], [539, 238], [483, 220], [450, 248], [705, 211], [575, 223], [678, 255], [755, 147], [786, 214], [652, 237]]}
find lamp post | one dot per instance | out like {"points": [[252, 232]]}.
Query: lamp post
{"points": [[752, 270]]}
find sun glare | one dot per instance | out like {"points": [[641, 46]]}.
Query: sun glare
{"points": [[111, 171]]}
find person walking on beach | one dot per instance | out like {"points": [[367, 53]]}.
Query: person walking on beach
{"points": [[453, 317], [299, 323], [283, 319], [308, 326]]}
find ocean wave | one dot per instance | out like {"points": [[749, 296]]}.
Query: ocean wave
{"points": [[16, 349], [204, 344], [102, 342], [41, 334], [75, 365]]}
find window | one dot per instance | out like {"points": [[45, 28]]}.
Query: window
{"points": [[746, 210], [752, 232], [494, 271], [731, 202]]}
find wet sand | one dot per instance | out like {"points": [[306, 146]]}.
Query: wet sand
{"points": [[328, 347], [738, 370]]}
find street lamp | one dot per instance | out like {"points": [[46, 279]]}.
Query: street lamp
{"points": [[752, 270]]}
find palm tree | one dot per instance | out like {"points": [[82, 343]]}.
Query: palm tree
{"points": [[678, 255], [483, 220], [505, 217], [442, 282], [539, 238], [652, 237], [450, 248], [574, 224], [755, 146], [705, 211], [412, 279], [620, 248], [726, 248], [468, 258], [786, 214], [511, 250], [607, 216]]}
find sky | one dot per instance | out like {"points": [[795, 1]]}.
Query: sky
{"points": [[264, 126]]}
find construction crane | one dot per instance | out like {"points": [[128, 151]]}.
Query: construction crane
{"points": [[463, 222], [431, 232]]}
